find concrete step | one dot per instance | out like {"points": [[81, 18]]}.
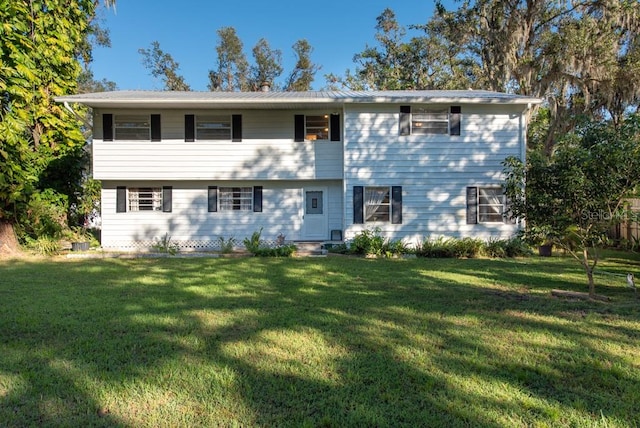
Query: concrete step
{"points": [[310, 249]]}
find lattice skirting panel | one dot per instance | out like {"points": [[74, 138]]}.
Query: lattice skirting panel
{"points": [[189, 245]]}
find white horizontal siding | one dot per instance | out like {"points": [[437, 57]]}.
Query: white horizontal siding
{"points": [[267, 152], [433, 170], [191, 225]]}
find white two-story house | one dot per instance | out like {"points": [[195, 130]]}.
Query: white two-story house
{"points": [[311, 166]]}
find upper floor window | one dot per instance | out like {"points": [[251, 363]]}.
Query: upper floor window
{"points": [[430, 120], [213, 127], [132, 127], [317, 127]]}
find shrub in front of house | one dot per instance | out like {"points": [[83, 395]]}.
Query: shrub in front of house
{"points": [[256, 246]]}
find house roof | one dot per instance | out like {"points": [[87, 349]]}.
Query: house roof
{"points": [[274, 99]]}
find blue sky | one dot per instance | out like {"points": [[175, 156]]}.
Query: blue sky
{"points": [[337, 29]]}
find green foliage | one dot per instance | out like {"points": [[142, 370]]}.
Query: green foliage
{"points": [[304, 70], [257, 247], [165, 245], [501, 248], [162, 65], [576, 195], [45, 215], [89, 200], [286, 250], [44, 245], [368, 242], [40, 142], [439, 247], [253, 243], [226, 245], [469, 248]]}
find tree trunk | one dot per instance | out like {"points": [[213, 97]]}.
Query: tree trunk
{"points": [[8, 243], [592, 286]]}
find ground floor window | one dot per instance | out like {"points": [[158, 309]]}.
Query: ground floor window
{"points": [[377, 204], [236, 198], [490, 205], [145, 199]]}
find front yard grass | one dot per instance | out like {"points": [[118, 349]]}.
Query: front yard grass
{"points": [[329, 342]]}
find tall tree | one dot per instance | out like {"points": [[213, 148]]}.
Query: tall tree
{"points": [[162, 65], [267, 65], [581, 56], [304, 70], [427, 62], [41, 46], [573, 197], [233, 67]]}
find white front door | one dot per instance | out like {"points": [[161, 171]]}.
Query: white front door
{"points": [[315, 219]]}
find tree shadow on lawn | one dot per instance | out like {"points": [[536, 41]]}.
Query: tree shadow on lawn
{"points": [[346, 343]]}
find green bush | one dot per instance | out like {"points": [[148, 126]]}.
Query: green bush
{"points": [[495, 248], [279, 251], [257, 247], [226, 245], [43, 245], [516, 247], [368, 242], [468, 248], [46, 215], [254, 243], [164, 245], [442, 247]]}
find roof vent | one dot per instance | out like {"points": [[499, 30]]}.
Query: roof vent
{"points": [[265, 86]]}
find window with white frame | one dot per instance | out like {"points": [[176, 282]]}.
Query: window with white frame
{"points": [[236, 198], [377, 204], [490, 205], [317, 127], [430, 120], [145, 199], [132, 127], [213, 127]]}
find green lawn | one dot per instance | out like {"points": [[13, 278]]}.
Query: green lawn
{"points": [[332, 341]]}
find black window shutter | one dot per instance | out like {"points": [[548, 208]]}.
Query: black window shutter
{"points": [[454, 120], [472, 205], [358, 204], [405, 120], [213, 199], [236, 127], [334, 126], [189, 127], [396, 204], [257, 199], [167, 192], [107, 127], [299, 128], [156, 134], [121, 199]]}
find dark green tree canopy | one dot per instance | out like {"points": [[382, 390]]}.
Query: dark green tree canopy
{"points": [[573, 197]]}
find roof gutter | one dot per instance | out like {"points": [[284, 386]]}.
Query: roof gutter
{"points": [[76, 115]]}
